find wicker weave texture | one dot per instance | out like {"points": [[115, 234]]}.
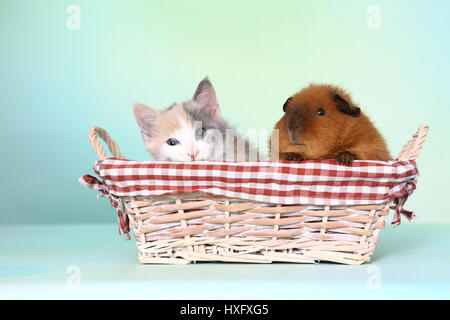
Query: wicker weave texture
{"points": [[197, 228]]}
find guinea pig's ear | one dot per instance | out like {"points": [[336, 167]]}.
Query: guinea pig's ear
{"points": [[345, 108], [286, 103]]}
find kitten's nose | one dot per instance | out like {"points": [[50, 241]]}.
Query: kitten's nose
{"points": [[193, 156]]}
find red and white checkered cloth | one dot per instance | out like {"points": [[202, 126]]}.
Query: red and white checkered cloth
{"points": [[315, 182]]}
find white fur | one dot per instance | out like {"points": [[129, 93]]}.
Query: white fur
{"points": [[188, 146]]}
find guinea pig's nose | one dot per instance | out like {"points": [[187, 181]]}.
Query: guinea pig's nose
{"points": [[294, 126]]}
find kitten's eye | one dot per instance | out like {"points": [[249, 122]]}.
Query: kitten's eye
{"points": [[200, 133], [172, 142], [320, 112]]}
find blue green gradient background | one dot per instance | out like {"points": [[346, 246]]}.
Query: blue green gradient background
{"points": [[56, 83]]}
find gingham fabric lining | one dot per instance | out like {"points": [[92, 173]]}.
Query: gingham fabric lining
{"points": [[316, 182]]}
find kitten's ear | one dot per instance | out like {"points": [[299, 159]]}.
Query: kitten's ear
{"points": [[146, 118], [205, 96]]}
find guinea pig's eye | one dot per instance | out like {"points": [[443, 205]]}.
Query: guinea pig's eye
{"points": [[200, 133], [172, 142], [320, 112]]}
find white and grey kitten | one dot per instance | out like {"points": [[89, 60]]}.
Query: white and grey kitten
{"points": [[191, 131]]}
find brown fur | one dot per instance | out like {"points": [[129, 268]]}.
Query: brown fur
{"points": [[343, 133]]}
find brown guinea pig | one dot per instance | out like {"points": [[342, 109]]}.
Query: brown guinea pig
{"points": [[321, 122]]}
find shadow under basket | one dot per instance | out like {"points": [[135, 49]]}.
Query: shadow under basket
{"points": [[189, 227]]}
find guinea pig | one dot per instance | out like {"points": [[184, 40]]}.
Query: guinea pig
{"points": [[322, 122]]}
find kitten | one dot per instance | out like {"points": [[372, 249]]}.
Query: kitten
{"points": [[191, 131]]}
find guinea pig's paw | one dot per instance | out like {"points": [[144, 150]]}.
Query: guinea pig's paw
{"points": [[294, 157], [345, 158]]}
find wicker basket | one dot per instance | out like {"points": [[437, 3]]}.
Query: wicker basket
{"points": [[360, 224]]}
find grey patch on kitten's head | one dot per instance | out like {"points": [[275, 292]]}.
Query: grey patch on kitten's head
{"points": [[207, 120], [203, 107]]}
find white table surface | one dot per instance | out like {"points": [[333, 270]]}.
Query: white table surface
{"points": [[46, 261]]}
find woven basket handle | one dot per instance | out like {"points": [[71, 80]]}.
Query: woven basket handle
{"points": [[412, 149], [94, 134]]}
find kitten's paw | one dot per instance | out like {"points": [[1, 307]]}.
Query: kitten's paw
{"points": [[345, 158], [294, 157]]}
